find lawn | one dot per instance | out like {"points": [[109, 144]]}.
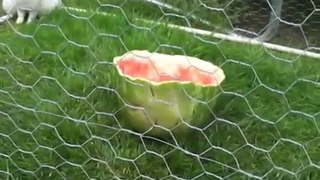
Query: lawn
{"points": [[59, 107]]}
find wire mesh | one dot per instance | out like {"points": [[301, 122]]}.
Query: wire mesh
{"points": [[60, 106]]}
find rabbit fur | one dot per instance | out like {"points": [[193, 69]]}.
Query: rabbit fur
{"points": [[33, 7]]}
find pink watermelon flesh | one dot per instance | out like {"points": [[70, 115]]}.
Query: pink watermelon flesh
{"points": [[160, 68]]}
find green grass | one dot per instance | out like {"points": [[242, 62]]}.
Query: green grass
{"points": [[59, 106]]}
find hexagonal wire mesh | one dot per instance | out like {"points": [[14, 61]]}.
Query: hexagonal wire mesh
{"points": [[60, 106]]}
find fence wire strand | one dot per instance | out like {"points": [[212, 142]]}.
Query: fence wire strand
{"points": [[61, 106]]}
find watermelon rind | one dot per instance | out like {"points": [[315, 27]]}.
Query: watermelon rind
{"points": [[161, 108]]}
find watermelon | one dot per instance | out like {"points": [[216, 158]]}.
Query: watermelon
{"points": [[165, 93]]}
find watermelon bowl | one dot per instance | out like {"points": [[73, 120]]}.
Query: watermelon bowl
{"points": [[165, 93]]}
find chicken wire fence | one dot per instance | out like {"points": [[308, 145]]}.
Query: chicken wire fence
{"points": [[60, 110]]}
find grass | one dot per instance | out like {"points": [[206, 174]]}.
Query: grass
{"points": [[59, 110]]}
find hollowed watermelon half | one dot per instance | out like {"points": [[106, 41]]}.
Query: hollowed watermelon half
{"points": [[164, 92]]}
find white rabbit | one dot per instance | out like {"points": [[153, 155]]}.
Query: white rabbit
{"points": [[48, 6], [33, 7]]}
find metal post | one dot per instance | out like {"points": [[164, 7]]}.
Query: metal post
{"points": [[274, 20]]}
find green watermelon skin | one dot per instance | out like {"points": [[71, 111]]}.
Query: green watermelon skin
{"points": [[157, 109]]}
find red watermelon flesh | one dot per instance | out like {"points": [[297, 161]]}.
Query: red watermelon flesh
{"points": [[161, 68]]}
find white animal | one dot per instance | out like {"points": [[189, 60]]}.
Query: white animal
{"points": [[33, 7]]}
